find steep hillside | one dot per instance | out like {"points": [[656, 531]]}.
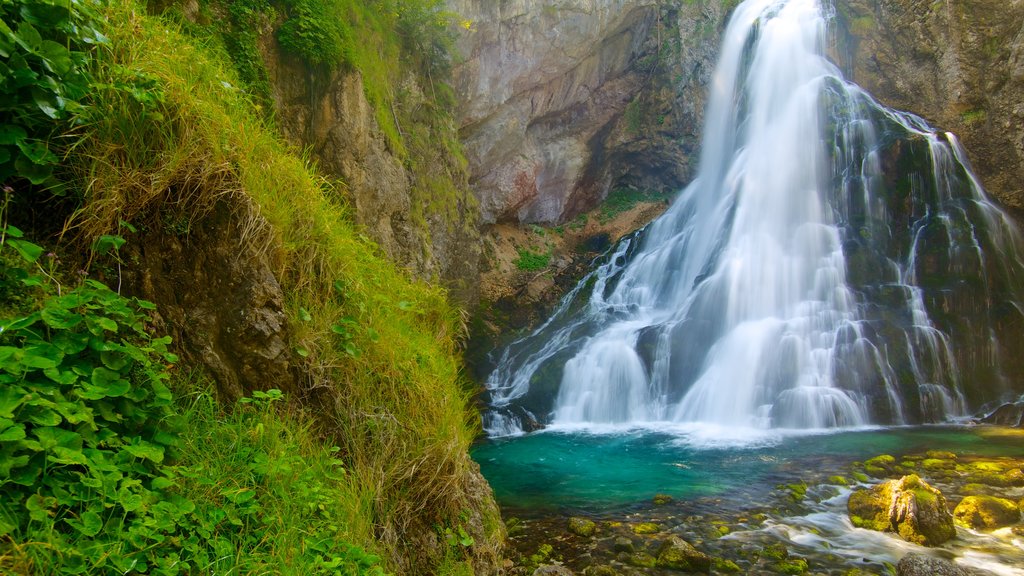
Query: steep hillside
{"points": [[183, 195]]}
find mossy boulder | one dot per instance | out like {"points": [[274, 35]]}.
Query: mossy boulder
{"points": [[661, 499], [582, 526], [908, 506], [879, 466], [678, 554], [986, 512], [601, 570]]}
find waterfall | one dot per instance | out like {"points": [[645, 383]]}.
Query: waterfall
{"points": [[834, 263]]}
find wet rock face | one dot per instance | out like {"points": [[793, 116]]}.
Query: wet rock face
{"points": [[958, 64], [560, 102], [908, 506]]}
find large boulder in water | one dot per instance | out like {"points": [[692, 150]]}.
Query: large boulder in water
{"points": [[986, 512], [908, 506]]}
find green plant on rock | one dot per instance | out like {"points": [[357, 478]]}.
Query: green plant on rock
{"points": [[317, 31]]}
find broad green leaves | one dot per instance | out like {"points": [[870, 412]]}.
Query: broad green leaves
{"points": [[43, 76]]}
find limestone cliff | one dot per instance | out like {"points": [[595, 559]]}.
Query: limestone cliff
{"points": [[415, 205], [957, 63], [561, 101]]}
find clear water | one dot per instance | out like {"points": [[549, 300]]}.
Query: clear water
{"points": [[547, 476], [606, 473], [835, 263]]}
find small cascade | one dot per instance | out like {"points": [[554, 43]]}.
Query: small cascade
{"points": [[834, 263]]}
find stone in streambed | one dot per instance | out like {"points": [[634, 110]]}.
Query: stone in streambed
{"points": [[553, 570], [986, 512], [678, 554], [643, 560], [582, 526], [623, 544], [921, 565], [661, 499], [908, 507]]}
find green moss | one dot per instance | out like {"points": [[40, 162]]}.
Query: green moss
{"points": [[974, 117], [862, 25], [646, 528], [726, 566], [860, 477], [797, 492], [775, 551], [792, 566], [839, 480]]}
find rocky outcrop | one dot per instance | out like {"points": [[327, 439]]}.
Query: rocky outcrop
{"points": [[1009, 414], [958, 64], [218, 296], [327, 112], [561, 101], [908, 506]]}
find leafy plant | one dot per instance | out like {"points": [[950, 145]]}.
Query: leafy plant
{"points": [[85, 418], [530, 261], [43, 76], [315, 32]]}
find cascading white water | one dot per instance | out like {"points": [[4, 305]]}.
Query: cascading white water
{"points": [[735, 307]]}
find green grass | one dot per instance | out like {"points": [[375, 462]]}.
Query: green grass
{"points": [[388, 383]]}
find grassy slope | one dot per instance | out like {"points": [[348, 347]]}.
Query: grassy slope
{"points": [[385, 346]]}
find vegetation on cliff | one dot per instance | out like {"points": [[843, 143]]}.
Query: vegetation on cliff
{"points": [[119, 458]]}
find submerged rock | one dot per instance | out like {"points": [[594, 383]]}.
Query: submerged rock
{"points": [[646, 528], [582, 526], [661, 499], [921, 565], [552, 570], [986, 512], [623, 544], [908, 506], [678, 554]]}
